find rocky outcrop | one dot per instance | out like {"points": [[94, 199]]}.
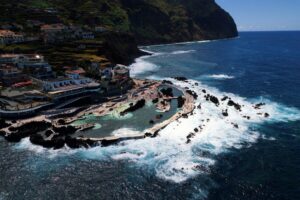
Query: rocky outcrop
{"points": [[26, 130], [3, 124], [180, 101], [139, 104], [167, 92], [120, 48]]}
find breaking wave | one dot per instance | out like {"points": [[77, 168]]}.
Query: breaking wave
{"points": [[170, 157], [220, 76], [182, 52], [142, 66]]}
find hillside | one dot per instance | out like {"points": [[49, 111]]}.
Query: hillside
{"points": [[151, 21]]}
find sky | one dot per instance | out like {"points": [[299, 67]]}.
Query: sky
{"points": [[264, 15]]}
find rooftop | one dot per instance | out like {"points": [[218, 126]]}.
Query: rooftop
{"points": [[5, 33]]}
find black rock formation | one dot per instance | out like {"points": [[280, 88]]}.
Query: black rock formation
{"points": [[167, 92], [236, 105], [180, 101], [26, 130], [141, 103]]}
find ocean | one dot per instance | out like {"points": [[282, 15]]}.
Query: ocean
{"points": [[258, 160]]}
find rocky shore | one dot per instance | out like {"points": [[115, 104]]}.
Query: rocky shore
{"points": [[56, 133]]}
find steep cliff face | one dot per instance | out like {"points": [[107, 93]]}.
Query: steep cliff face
{"points": [[151, 21], [162, 21]]}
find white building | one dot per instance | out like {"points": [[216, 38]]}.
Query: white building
{"points": [[67, 83]]}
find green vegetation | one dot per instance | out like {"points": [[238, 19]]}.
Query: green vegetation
{"points": [[151, 21], [40, 4]]}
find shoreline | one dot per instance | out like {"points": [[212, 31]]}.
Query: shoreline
{"points": [[52, 132], [186, 42]]}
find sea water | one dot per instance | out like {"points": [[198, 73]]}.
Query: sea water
{"points": [[258, 160]]}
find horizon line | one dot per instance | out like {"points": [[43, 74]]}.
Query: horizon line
{"points": [[297, 30]]}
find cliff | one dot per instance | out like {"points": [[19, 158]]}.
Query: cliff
{"points": [[164, 21], [151, 21]]}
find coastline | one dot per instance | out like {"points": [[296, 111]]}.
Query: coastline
{"points": [[147, 90], [186, 42]]}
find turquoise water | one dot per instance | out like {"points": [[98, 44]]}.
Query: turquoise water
{"points": [[114, 124]]}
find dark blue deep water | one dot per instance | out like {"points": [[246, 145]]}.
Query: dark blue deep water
{"points": [[236, 165]]}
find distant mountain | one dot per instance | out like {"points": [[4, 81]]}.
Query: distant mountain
{"points": [[151, 21]]}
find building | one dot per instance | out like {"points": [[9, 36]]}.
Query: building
{"points": [[121, 72], [53, 28], [54, 32], [10, 76], [8, 58], [69, 87], [35, 65], [87, 35], [10, 37], [32, 64], [68, 82]]}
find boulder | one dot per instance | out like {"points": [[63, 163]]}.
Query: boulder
{"points": [[180, 101], [167, 92], [141, 103], [259, 105], [64, 130], [192, 93], [224, 98], [236, 105], [214, 99], [109, 142], [148, 134], [181, 78], [61, 122], [167, 82], [49, 132], [155, 100], [225, 113], [75, 143], [4, 124]]}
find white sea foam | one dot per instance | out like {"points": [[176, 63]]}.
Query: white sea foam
{"points": [[182, 52], [50, 153], [125, 132], [141, 66], [220, 76], [169, 157]]}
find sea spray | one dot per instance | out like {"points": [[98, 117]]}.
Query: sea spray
{"points": [[170, 157]]}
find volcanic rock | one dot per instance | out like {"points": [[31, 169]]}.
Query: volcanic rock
{"points": [[141, 103], [180, 101], [236, 105]]}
